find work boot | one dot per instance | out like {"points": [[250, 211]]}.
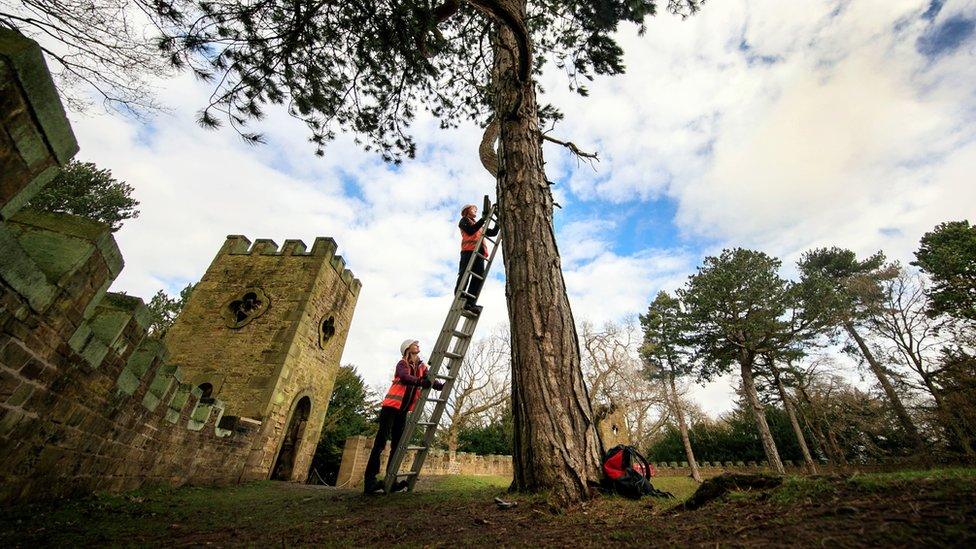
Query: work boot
{"points": [[470, 307], [400, 486], [371, 487]]}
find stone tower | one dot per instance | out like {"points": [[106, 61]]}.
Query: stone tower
{"points": [[263, 331], [612, 425]]}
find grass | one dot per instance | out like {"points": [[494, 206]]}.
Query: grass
{"points": [[454, 510]]}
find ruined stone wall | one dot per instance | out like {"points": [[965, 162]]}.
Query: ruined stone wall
{"points": [[612, 426], [87, 402], [438, 462], [289, 349]]}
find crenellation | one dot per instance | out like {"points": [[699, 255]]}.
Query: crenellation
{"points": [[293, 247], [264, 246], [324, 247], [236, 244], [338, 263]]}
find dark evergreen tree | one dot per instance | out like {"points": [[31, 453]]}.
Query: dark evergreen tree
{"points": [[740, 309], [352, 407], [666, 358], [82, 189], [856, 285], [164, 309], [947, 254]]}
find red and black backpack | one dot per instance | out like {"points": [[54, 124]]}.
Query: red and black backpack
{"points": [[627, 473]]}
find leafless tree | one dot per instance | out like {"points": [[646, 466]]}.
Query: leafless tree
{"points": [[908, 336], [612, 367], [109, 46], [481, 387]]}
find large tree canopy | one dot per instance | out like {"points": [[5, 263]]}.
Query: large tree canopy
{"points": [[368, 67]]}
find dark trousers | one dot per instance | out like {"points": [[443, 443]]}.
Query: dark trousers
{"points": [[392, 422], [474, 286]]}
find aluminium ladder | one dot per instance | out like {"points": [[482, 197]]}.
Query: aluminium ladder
{"points": [[452, 345]]}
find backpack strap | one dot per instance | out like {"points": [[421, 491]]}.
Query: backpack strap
{"points": [[647, 475], [643, 461]]}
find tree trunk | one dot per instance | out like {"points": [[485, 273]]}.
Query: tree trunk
{"points": [[749, 386], [683, 427], [556, 446], [906, 421], [807, 459]]}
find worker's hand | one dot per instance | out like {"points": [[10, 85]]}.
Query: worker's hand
{"points": [[437, 385], [425, 383]]}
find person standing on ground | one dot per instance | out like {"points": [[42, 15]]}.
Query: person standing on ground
{"points": [[471, 229], [409, 378]]}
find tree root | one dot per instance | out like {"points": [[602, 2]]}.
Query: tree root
{"points": [[715, 488]]}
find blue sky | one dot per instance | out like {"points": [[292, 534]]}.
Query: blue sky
{"points": [[752, 124]]}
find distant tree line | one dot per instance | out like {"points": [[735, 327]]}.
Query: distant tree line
{"points": [[912, 330]]}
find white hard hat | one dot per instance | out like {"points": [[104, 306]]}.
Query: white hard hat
{"points": [[406, 343]]}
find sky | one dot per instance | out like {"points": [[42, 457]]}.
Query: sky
{"points": [[751, 124]]}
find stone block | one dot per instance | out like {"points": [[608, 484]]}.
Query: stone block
{"points": [[20, 272], [14, 356], [33, 118], [20, 395]]}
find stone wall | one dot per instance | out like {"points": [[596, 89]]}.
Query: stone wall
{"points": [[35, 137], [438, 462], [87, 401]]}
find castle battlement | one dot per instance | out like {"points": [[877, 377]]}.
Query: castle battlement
{"points": [[323, 247]]}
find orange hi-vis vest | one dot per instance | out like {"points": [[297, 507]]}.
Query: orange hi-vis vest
{"points": [[398, 391], [470, 241]]}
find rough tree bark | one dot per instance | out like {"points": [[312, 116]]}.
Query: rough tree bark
{"points": [[749, 387], [683, 427], [556, 446], [903, 418], [807, 458]]}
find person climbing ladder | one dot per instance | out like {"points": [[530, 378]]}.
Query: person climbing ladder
{"points": [[410, 376], [470, 234]]}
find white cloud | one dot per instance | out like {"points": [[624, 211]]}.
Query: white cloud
{"points": [[769, 126]]}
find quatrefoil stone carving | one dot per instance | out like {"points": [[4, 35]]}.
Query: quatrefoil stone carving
{"points": [[248, 305]]}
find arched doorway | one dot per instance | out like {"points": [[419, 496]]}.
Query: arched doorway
{"points": [[285, 462]]}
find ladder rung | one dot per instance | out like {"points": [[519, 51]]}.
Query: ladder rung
{"points": [[442, 376], [427, 423], [452, 356], [460, 335], [407, 474], [409, 448], [478, 276], [469, 314], [483, 256], [436, 400], [466, 294]]}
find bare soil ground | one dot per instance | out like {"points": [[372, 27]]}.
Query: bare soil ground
{"points": [[935, 507]]}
